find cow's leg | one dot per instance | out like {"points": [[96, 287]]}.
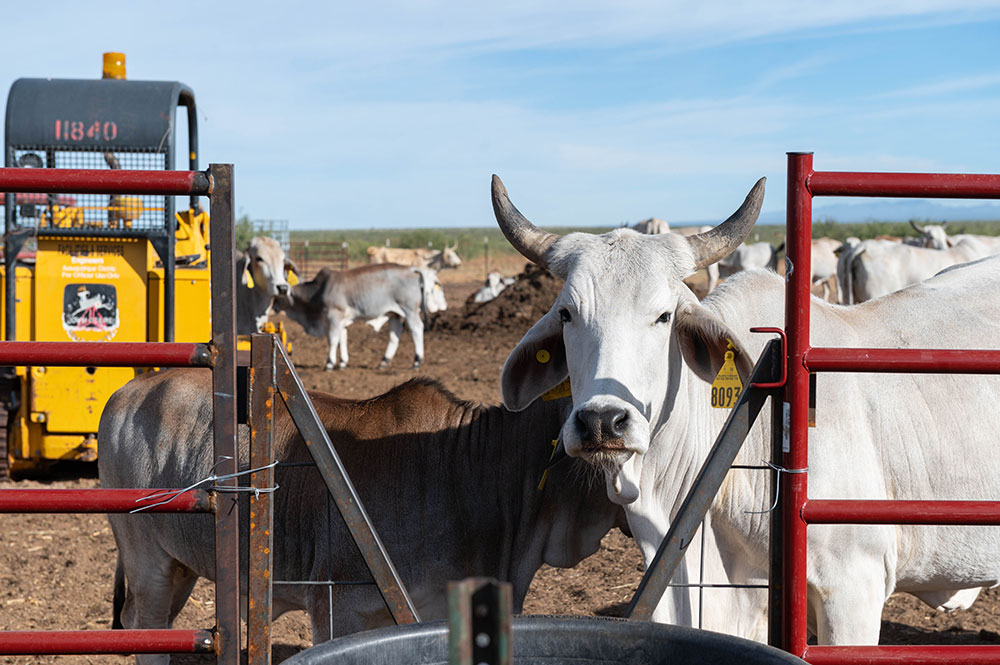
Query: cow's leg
{"points": [[335, 331], [343, 346], [184, 580], [712, 271], [318, 602], [416, 327], [846, 596], [155, 592], [395, 328]]}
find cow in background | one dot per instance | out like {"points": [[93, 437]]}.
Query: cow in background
{"points": [[437, 259], [874, 268], [261, 280], [495, 284], [327, 304], [935, 236], [652, 226], [751, 257], [452, 488], [824, 263]]}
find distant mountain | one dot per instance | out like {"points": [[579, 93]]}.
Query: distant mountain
{"points": [[894, 210]]}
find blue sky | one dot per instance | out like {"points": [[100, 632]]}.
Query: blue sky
{"points": [[395, 114]]}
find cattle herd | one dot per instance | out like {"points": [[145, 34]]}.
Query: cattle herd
{"points": [[456, 485]]}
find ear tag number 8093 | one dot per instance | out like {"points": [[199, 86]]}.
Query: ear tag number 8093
{"points": [[727, 386]]}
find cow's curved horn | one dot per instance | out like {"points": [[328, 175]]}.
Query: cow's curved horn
{"points": [[916, 227], [711, 246], [526, 238]]}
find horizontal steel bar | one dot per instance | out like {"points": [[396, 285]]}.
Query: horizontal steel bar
{"points": [[325, 583], [37, 642], [908, 654], [881, 511], [917, 361], [104, 181], [718, 586], [102, 501], [923, 185], [106, 354]]}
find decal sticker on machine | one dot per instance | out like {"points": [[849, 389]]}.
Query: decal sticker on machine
{"points": [[90, 312]]}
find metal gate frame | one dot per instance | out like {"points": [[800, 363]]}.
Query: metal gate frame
{"points": [[272, 375], [219, 356], [803, 184]]}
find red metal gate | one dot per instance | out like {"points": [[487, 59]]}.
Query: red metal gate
{"points": [[803, 184], [220, 356]]}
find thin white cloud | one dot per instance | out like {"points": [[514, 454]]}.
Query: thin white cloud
{"points": [[945, 87]]}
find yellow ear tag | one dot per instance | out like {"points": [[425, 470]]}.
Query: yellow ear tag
{"points": [[727, 386], [562, 390], [249, 279], [542, 356], [291, 278], [545, 474]]}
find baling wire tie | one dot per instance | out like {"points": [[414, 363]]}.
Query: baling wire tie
{"points": [[777, 486], [211, 478]]}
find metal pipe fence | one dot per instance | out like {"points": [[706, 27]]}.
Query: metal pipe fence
{"points": [[220, 356], [803, 184]]}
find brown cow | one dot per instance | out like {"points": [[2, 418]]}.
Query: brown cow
{"points": [[452, 488]]}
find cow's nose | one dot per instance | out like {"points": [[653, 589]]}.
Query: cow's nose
{"points": [[601, 425], [283, 289]]}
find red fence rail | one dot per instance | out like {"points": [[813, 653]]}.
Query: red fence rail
{"points": [[224, 641], [803, 184]]}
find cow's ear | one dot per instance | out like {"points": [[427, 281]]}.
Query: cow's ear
{"points": [[536, 365], [243, 270], [704, 340], [291, 272]]}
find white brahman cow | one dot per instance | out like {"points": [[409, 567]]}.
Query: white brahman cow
{"points": [[418, 258], [875, 267], [750, 257], [332, 300], [261, 277], [641, 353], [936, 236], [824, 263], [652, 226]]}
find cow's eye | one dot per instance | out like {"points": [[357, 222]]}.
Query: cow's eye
{"points": [[260, 259], [663, 318], [564, 315]]}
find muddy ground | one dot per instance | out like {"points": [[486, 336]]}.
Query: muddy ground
{"points": [[56, 570]]}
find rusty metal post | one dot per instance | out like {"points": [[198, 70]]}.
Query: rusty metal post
{"points": [[227, 534], [260, 573], [479, 622]]}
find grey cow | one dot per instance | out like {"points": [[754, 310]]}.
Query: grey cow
{"points": [[451, 487], [332, 300]]}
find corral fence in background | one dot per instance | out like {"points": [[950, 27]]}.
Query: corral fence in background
{"points": [[276, 228], [310, 256], [799, 511]]}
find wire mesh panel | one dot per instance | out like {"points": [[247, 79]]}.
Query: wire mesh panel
{"points": [[89, 212]]}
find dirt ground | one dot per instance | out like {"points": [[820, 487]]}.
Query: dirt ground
{"points": [[56, 570]]}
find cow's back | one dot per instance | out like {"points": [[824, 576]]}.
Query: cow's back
{"points": [[372, 290]]}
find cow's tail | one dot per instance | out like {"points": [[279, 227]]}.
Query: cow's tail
{"points": [[118, 599], [853, 255], [423, 300], [773, 263]]}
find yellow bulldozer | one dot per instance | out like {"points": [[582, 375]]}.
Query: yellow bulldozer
{"points": [[92, 267]]}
